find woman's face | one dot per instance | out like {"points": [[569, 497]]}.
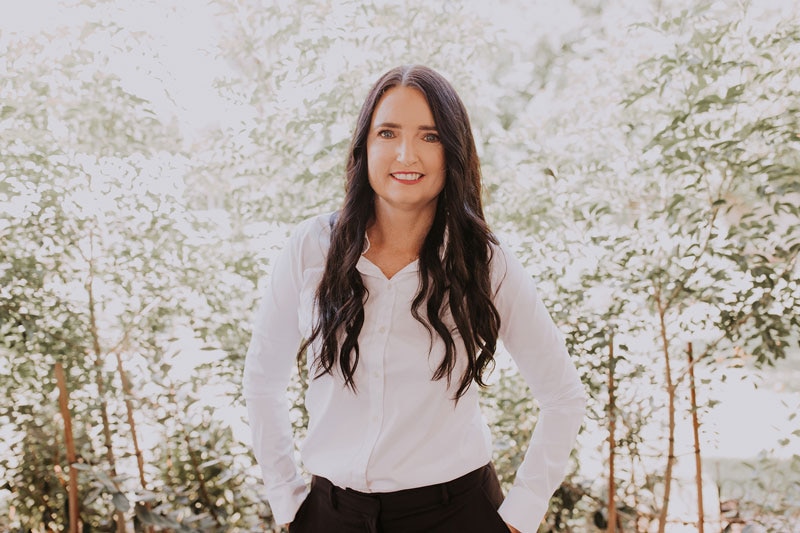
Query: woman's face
{"points": [[405, 158]]}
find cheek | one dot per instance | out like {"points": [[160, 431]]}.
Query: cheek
{"points": [[438, 161], [370, 160], [435, 156], [376, 157]]}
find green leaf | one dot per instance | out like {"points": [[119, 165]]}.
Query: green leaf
{"points": [[734, 91], [120, 502]]}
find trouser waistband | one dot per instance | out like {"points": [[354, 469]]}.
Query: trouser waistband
{"points": [[401, 500]]}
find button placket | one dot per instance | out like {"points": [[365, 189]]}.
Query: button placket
{"points": [[385, 306]]}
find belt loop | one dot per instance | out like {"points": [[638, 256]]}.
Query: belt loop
{"points": [[445, 494]]}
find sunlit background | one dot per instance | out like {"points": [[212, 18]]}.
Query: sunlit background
{"points": [[642, 158]]}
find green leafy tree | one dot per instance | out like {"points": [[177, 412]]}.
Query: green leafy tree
{"points": [[104, 270], [674, 207]]}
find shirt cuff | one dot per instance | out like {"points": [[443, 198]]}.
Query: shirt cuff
{"points": [[285, 501], [523, 509]]}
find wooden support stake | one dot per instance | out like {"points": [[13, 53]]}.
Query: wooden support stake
{"points": [[72, 491], [697, 459], [99, 363], [126, 389], [664, 512]]}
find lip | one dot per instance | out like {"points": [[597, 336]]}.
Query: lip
{"points": [[407, 178]]}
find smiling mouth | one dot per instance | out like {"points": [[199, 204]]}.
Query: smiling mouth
{"points": [[407, 176]]}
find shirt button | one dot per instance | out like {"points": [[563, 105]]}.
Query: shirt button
{"points": [[382, 329], [376, 374], [375, 419]]}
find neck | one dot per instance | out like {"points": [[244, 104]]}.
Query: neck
{"points": [[400, 231]]}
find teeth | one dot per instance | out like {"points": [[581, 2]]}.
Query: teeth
{"points": [[407, 176]]}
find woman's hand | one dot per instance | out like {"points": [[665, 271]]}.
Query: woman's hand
{"points": [[512, 529]]}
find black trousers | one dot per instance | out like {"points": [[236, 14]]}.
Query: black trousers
{"points": [[464, 505]]}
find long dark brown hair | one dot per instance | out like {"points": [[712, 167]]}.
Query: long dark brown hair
{"points": [[456, 278]]}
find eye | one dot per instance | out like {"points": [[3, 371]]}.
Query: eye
{"points": [[431, 138], [386, 134]]}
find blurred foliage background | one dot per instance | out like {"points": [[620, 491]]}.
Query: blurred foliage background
{"points": [[642, 159]]}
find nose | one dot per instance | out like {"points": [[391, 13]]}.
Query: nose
{"points": [[405, 152]]}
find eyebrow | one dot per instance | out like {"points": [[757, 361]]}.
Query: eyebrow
{"points": [[394, 125]]}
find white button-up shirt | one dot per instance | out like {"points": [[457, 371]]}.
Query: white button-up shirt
{"points": [[401, 429]]}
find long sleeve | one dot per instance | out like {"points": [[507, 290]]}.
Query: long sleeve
{"points": [[267, 371], [538, 349]]}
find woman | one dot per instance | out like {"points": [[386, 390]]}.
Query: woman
{"points": [[401, 297]]}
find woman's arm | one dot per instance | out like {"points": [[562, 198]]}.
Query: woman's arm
{"points": [[267, 371], [538, 349]]}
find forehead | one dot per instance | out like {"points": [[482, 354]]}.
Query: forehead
{"points": [[403, 106]]}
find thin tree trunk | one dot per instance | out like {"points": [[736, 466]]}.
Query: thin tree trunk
{"points": [[612, 506], [99, 363], [72, 492], [126, 389], [662, 518], [697, 459]]}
